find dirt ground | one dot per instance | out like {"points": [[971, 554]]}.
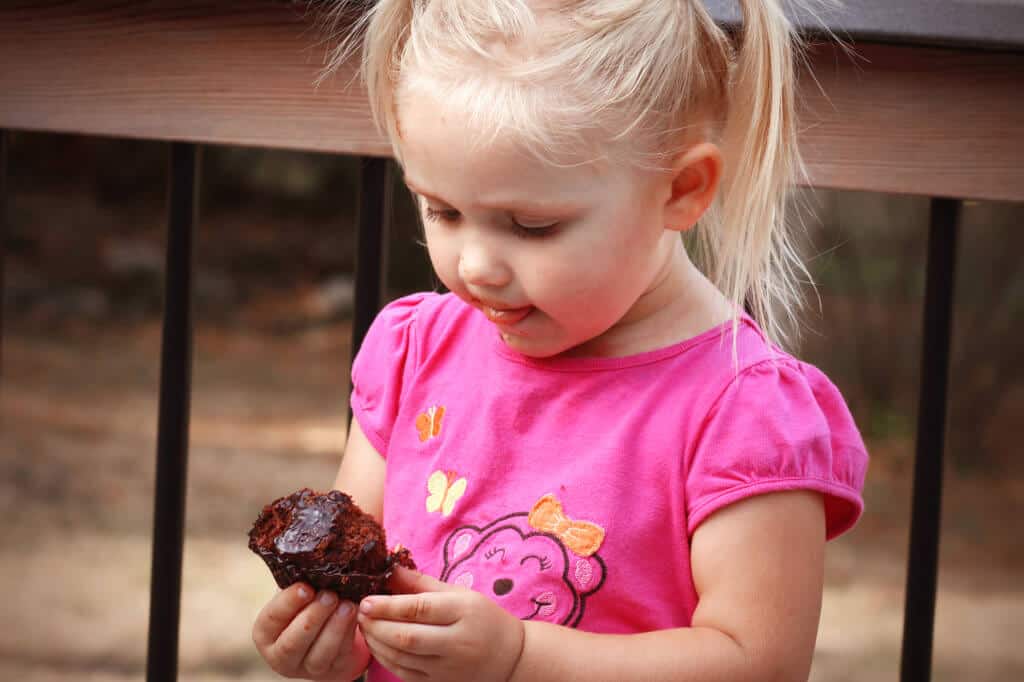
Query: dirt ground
{"points": [[78, 420]]}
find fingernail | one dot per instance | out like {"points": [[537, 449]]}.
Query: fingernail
{"points": [[304, 593], [327, 598], [366, 606], [345, 608]]}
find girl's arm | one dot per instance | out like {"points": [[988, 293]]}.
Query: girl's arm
{"points": [[361, 474], [758, 567]]}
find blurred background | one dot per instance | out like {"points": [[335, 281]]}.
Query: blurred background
{"points": [[273, 297]]}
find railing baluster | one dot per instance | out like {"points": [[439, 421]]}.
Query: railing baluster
{"points": [[3, 237], [172, 436], [371, 247], [374, 219], [922, 564]]}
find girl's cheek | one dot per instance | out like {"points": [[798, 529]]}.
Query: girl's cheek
{"points": [[443, 258]]}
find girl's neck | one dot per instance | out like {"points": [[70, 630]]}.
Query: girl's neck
{"points": [[681, 303]]}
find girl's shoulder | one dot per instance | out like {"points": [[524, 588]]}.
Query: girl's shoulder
{"points": [[402, 337], [417, 318], [762, 380], [761, 363], [424, 309], [770, 421], [728, 356], [409, 308], [410, 328]]}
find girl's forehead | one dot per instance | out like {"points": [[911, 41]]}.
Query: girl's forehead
{"points": [[447, 154], [542, 117]]}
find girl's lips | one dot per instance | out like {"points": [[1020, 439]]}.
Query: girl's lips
{"points": [[508, 316]]}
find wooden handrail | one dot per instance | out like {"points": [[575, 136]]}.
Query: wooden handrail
{"points": [[894, 119]]}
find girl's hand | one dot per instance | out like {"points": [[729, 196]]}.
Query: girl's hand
{"points": [[436, 631], [310, 636]]}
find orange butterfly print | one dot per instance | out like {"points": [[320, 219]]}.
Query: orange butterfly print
{"points": [[429, 423], [445, 490]]}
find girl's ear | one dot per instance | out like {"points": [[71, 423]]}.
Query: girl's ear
{"points": [[695, 176]]}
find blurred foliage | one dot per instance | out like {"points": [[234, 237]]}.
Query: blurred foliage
{"points": [[870, 266]]}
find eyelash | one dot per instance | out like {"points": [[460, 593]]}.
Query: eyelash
{"points": [[452, 216], [545, 563]]}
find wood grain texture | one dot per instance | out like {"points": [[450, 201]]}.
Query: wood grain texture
{"points": [[237, 73], [893, 119], [915, 120]]}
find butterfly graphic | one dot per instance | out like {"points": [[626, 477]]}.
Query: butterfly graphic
{"points": [[445, 490], [429, 423]]}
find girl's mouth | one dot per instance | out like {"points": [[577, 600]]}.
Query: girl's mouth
{"points": [[506, 317]]}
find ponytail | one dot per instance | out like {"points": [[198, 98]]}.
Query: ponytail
{"points": [[746, 242]]}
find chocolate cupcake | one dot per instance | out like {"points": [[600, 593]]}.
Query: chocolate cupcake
{"points": [[326, 541]]}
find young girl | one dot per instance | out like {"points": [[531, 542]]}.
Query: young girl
{"points": [[604, 468]]}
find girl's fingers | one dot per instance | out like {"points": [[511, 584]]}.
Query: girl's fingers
{"points": [[409, 667], [412, 638], [335, 641], [278, 613], [291, 647], [427, 608], [408, 581]]}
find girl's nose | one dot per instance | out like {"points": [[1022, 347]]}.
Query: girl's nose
{"points": [[480, 265]]}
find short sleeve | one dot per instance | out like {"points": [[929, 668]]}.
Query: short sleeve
{"points": [[383, 368], [779, 425]]}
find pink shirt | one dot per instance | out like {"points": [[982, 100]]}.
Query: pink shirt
{"points": [[567, 489]]}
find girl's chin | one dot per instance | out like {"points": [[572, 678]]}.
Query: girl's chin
{"points": [[530, 346]]}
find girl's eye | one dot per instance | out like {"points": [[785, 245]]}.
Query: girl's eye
{"points": [[533, 223], [534, 227], [523, 227], [447, 215]]}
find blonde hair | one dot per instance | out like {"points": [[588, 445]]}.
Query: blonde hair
{"points": [[639, 77]]}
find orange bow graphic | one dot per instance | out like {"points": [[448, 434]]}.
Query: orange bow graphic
{"points": [[582, 537]]}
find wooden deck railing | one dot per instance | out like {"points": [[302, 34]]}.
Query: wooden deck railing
{"points": [[945, 123]]}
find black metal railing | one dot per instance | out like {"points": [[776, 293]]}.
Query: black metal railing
{"points": [[172, 424], [374, 220], [3, 236], [926, 510], [373, 223]]}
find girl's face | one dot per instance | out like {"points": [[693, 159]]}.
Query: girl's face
{"points": [[558, 259]]}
